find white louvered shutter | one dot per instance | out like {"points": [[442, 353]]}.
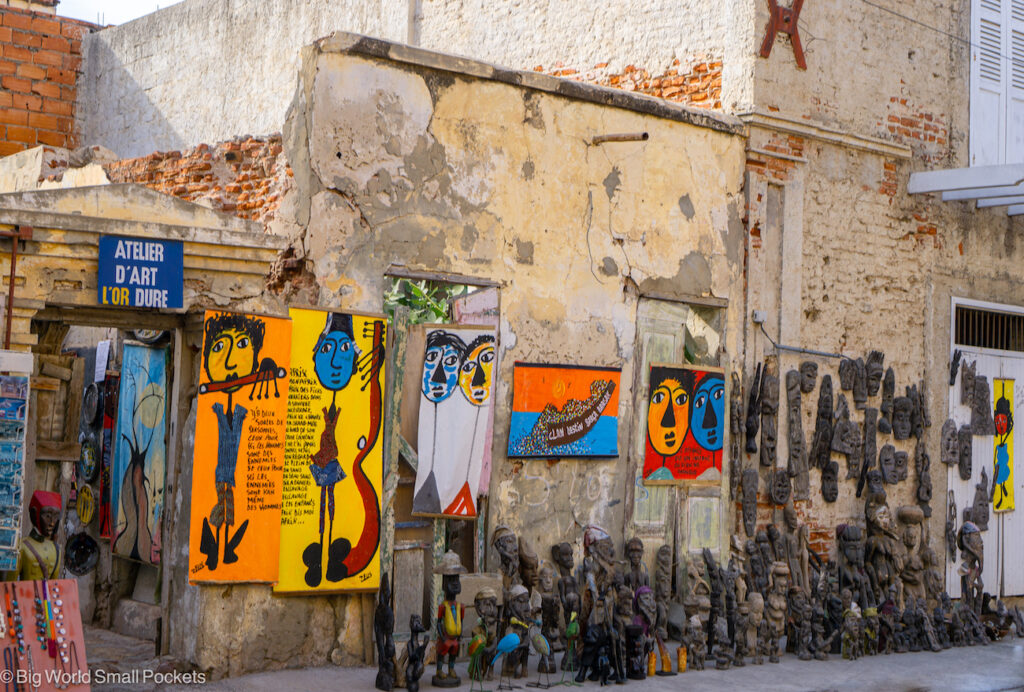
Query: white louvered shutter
{"points": [[988, 82], [1015, 82]]}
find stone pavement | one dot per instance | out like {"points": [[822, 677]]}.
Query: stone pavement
{"points": [[998, 666]]}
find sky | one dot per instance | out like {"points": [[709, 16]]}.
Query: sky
{"points": [[109, 11]]}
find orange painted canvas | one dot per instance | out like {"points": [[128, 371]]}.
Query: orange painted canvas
{"points": [[238, 462], [564, 411]]}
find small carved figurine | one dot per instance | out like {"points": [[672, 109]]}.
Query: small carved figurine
{"points": [[874, 365], [887, 464], [967, 373], [901, 418], [796, 465], [922, 464], [871, 626], [980, 508], [886, 407], [951, 528], [383, 634], [964, 461], [550, 612], [901, 463], [950, 445], [797, 537], [830, 481], [757, 570], [972, 551], [808, 376], [780, 487], [637, 575], [721, 647], [954, 366], [916, 417], [821, 442], [822, 643], [414, 653], [981, 408], [695, 642], [485, 633], [741, 638], [753, 412], [507, 545], [853, 643], [870, 446], [860, 384], [450, 614], [847, 374], [926, 418], [595, 659], [749, 503]]}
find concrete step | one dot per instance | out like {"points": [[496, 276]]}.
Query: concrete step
{"points": [[136, 619]]}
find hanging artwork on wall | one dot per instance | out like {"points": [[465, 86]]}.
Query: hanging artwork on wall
{"points": [[685, 423], [140, 453], [1002, 465], [238, 459], [14, 397], [111, 386], [455, 408], [330, 503], [564, 411]]}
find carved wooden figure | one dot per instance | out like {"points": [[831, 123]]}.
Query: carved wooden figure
{"points": [[735, 430], [830, 481], [780, 488], [965, 441], [901, 418], [450, 614], [796, 465], [967, 375], [749, 502], [860, 384], [769, 413], [808, 376], [847, 374], [922, 464], [875, 367], [796, 538], [886, 407], [753, 411], [916, 417], [637, 575], [902, 463], [887, 464], [980, 507], [415, 651], [870, 446], [981, 408], [383, 634], [949, 445], [951, 527], [821, 442]]}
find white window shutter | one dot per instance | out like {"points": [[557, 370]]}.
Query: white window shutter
{"points": [[988, 81], [1015, 82]]}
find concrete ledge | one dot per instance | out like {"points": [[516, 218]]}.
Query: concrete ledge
{"points": [[356, 44]]}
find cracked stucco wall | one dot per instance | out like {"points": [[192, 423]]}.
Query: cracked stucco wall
{"points": [[397, 163]]}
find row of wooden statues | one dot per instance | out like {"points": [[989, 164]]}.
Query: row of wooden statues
{"points": [[610, 621]]}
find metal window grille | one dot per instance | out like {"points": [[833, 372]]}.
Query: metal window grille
{"points": [[980, 328]]}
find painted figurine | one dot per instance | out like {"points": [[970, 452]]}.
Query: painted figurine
{"points": [[485, 633], [40, 556], [449, 620]]}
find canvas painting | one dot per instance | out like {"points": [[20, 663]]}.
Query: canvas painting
{"points": [[564, 411], [238, 460], [14, 391], [1003, 476], [455, 411], [333, 460], [140, 453], [111, 387], [685, 423]]}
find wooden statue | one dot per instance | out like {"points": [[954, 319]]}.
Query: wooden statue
{"points": [[450, 614], [415, 651], [383, 634]]}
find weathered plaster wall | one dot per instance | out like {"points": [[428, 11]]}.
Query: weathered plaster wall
{"points": [[208, 70], [877, 267], [457, 168]]}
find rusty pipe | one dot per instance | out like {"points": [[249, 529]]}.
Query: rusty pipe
{"points": [[620, 137]]}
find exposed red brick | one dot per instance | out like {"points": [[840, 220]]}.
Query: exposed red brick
{"points": [[21, 134]]}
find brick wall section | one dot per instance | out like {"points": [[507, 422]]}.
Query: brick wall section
{"points": [[245, 177], [40, 60], [696, 83]]}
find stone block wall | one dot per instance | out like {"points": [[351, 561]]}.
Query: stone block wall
{"points": [[40, 60]]}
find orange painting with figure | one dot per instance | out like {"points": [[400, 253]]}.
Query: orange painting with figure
{"points": [[238, 462]]}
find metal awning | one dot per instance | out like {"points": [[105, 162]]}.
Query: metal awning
{"points": [[989, 186]]}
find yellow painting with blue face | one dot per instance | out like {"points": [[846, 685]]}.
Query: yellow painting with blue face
{"points": [[330, 507]]}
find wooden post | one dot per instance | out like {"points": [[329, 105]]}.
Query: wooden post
{"points": [[394, 445]]}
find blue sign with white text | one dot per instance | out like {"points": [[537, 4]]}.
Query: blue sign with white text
{"points": [[140, 273]]}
